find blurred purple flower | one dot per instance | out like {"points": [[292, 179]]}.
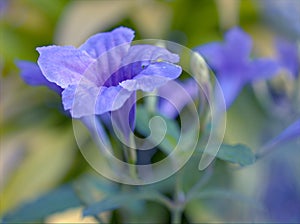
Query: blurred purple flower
{"points": [[281, 196], [288, 56], [232, 64], [4, 4], [177, 98], [103, 74], [282, 193], [282, 15]]}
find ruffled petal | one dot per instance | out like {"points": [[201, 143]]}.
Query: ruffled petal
{"points": [[32, 75], [100, 43], [108, 49], [148, 53], [111, 99], [137, 59], [152, 77], [80, 99], [63, 65], [86, 99]]}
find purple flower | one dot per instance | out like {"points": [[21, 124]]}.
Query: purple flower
{"points": [[288, 56], [32, 75], [232, 64], [103, 74]]}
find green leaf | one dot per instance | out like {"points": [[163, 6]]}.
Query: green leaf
{"points": [[108, 204], [239, 154], [28, 179], [91, 188], [55, 201], [87, 189]]}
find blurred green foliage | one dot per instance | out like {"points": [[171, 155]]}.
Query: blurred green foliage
{"points": [[25, 25]]}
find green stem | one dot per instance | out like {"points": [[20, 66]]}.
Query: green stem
{"points": [[176, 216], [265, 150], [159, 198], [205, 178], [132, 157], [151, 102], [179, 200]]}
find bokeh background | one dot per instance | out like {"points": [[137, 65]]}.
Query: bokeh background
{"points": [[38, 151]]}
